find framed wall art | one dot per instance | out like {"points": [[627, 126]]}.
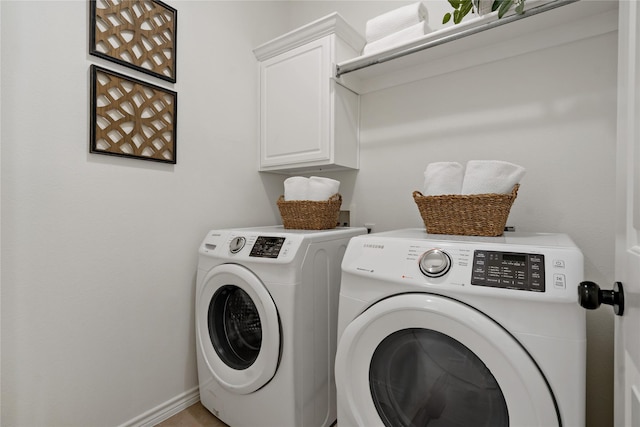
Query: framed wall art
{"points": [[132, 118], [140, 34]]}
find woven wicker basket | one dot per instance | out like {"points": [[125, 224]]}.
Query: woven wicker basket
{"points": [[467, 215], [310, 215]]}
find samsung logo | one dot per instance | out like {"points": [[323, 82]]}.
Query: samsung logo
{"points": [[373, 246]]}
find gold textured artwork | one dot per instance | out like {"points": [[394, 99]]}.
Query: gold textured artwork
{"points": [[140, 34], [132, 118]]}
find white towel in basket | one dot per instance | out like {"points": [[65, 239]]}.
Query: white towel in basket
{"points": [[321, 189], [315, 188], [443, 178], [491, 176], [296, 188]]}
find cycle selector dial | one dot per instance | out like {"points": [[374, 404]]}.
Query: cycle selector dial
{"points": [[237, 244], [435, 263]]}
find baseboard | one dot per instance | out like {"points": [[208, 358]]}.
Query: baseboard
{"points": [[165, 410]]}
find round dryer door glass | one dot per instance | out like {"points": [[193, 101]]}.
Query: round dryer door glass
{"points": [[428, 360], [237, 328], [234, 327], [421, 377]]}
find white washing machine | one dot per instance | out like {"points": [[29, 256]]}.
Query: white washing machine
{"points": [[266, 324], [461, 331]]}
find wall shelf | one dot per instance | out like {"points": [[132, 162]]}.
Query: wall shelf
{"points": [[478, 41]]}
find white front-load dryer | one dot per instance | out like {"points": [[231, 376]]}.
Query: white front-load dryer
{"points": [[266, 324], [461, 331]]}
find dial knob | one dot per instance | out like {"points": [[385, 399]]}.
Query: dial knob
{"points": [[435, 263], [237, 244]]}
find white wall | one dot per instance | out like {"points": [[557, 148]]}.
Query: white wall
{"points": [[552, 111], [99, 253]]}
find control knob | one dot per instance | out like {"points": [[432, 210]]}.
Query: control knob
{"points": [[434, 263], [237, 244]]}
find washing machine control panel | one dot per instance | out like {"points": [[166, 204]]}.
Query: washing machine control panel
{"points": [[267, 247], [241, 246], [538, 266], [510, 270]]}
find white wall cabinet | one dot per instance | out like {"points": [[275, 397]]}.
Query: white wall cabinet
{"points": [[308, 121]]}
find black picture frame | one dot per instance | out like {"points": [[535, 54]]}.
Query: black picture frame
{"points": [[132, 118], [139, 34]]}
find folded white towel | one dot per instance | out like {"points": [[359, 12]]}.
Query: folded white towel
{"points": [[321, 189], [315, 188], [443, 178], [394, 21], [398, 38], [491, 176], [296, 188]]}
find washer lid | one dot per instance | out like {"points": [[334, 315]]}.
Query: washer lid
{"points": [[237, 328], [421, 356]]}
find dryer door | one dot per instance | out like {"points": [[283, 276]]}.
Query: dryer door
{"points": [[237, 328], [427, 360]]}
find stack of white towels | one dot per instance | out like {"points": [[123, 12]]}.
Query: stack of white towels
{"points": [[396, 27], [479, 177], [314, 188]]}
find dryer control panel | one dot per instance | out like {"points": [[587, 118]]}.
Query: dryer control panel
{"points": [[272, 245], [267, 247], [511, 270], [534, 266], [244, 246]]}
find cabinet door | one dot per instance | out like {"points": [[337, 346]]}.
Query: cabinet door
{"points": [[294, 106]]}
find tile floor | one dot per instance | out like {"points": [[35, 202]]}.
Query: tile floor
{"points": [[195, 415]]}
